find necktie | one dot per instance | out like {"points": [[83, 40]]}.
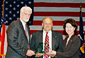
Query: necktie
{"points": [[26, 32], [46, 47]]}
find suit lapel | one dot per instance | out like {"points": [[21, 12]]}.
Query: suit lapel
{"points": [[71, 39], [21, 26], [53, 40], [41, 36], [69, 43], [28, 29]]}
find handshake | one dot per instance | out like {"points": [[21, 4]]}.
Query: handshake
{"points": [[31, 53]]}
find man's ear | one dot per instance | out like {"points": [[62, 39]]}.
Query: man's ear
{"points": [[42, 24]]}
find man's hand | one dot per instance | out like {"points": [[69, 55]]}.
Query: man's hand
{"points": [[30, 53], [39, 54], [51, 53]]}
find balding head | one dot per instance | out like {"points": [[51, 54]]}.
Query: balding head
{"points": [[47, 18], [47, 24]]}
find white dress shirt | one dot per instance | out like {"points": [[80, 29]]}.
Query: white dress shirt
{"points": [[50, 40]]}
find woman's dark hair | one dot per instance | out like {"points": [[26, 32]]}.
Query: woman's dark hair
{"points": [[72, 22]]}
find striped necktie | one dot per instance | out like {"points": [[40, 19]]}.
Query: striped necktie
{"points": [[46, 47]]}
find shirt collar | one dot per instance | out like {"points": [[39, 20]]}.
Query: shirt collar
{"points": [[45, 31]]}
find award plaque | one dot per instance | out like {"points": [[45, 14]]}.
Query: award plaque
{"points": [[40, 48]]}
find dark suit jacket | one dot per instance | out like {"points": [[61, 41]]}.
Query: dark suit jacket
{"points": [[57, 40], [72, 49], [17, 40]]}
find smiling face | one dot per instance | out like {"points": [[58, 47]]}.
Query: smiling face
{"points": [[69, 29], [47, 24]]}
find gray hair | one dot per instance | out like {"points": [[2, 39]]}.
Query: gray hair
{"points": [[25, 8]]}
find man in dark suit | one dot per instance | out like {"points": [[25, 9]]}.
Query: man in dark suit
{"points": [[18, 36], [55, 38]]}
